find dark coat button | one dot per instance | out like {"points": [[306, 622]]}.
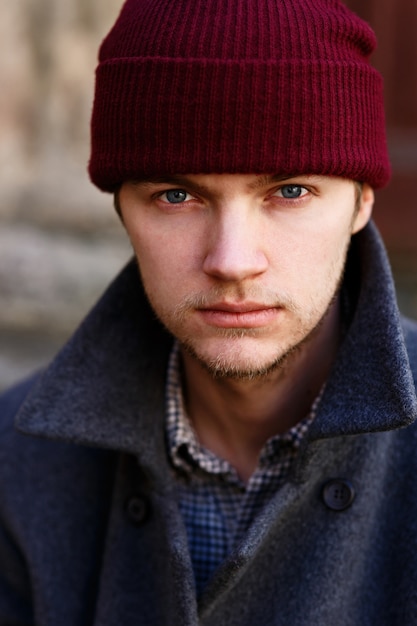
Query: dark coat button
{"points": [[137, 509], [338, 494]]}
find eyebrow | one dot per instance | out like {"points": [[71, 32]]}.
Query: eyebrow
{"points": [[267, 179], [177, 180], [262, 180]]}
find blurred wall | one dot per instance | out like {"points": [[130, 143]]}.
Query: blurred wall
{"points": [[49, 50], [60, 242], [395, 24]]}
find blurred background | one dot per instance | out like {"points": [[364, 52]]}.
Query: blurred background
{"points": [[395, 24], [60, 241]]}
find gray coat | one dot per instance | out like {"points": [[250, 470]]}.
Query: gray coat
{"points": [[90, 531]]}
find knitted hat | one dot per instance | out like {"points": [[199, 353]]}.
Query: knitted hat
{"points": [[237, 86]]}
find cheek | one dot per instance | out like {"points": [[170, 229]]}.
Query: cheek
{"points": [[166, 261], [150, 245], [329, 264], [313, 265]]}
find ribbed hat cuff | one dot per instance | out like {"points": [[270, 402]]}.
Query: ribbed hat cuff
{"points": [[158, 116]]}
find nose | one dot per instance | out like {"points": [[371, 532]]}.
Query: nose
{"points": [[234, 247]]}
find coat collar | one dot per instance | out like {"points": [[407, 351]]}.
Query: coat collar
{"points": [[371, 386], [106, 387]]}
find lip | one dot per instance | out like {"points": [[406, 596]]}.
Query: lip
{"points": [[237, 307], [239, 315]]}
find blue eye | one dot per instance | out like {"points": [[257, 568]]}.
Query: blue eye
{"points": [[292, 192], [175, 196]]}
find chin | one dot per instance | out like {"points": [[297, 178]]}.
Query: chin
{"points": [[239, 359]]}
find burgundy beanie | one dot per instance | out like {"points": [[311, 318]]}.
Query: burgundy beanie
{"points": [[237, 86]]}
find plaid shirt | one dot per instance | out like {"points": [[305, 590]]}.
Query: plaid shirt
{"points": [[217, 507]]}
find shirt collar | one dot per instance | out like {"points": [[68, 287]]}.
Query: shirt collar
{"points": [[184, 448]]}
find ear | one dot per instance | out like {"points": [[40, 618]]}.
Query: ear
{"points": [[364, 210]]}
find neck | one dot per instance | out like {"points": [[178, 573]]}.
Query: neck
{"points": [[234, 418]]}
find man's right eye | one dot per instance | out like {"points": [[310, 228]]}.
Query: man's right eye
{"points": [[175, 196]]}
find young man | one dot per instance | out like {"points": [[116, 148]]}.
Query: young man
{"points": [[228, 438]]}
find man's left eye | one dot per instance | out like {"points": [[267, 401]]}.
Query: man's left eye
{"points": [[291, 192], [175, 196]]}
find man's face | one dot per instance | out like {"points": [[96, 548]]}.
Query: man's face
{"points": [[242, 268]]}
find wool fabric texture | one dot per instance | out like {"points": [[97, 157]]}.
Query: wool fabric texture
{"points": [[237, 86]]}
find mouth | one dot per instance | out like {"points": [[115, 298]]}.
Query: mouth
{"points": [[239, 315]]}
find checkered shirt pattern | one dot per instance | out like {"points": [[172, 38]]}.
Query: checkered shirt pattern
{"points": [[217, 507]]}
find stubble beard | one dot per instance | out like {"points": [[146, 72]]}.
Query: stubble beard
{"points": [[221, 366]]}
